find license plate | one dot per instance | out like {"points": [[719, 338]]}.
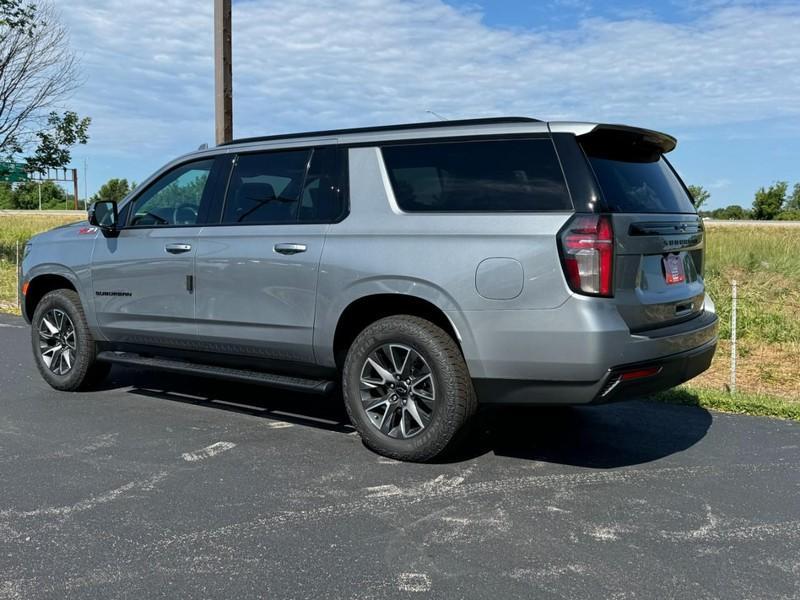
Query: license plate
{"points": [[673, 269]]}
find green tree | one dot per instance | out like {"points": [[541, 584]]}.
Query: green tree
{"points": [[700, 195], [17, 14], [793, 203], [736, 212], [6, 195], [56, 139], [769, 202], [732, 212], [113, 189], [26, 195], [38, 71]]}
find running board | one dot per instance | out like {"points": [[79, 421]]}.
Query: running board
{"points": [[286, 382]]}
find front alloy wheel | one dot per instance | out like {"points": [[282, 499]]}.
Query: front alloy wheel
{"points": [[397, 390], [62, 343], [57, 341]]}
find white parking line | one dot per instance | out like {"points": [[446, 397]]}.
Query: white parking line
{"points": [[414, 582], [208, 451]]}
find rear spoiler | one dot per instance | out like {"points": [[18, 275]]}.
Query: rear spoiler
{"points": [[663, 142]]}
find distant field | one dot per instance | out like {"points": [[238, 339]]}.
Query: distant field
{"points": [[764, 260], [766, 264], [20, 226], [748, 223]]}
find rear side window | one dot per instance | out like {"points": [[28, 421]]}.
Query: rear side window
{"points": [[323, 197], [635, 178], [265, 187], [483, 176]]}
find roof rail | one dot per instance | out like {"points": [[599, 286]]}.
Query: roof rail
{"points": [[380, 128]]}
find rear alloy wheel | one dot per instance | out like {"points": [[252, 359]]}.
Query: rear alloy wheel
{"points": [[62, 344], [407, 388], [397, 390]]}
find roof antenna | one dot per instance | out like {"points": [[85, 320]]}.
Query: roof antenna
{"points": [[437, 115], [203, 147]]}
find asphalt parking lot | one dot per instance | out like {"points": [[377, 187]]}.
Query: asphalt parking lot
{"points": [[164, 486]]}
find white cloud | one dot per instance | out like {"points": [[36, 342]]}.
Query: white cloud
{"points": [[313, 64], [719, 184]]}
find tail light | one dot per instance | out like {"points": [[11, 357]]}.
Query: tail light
{"points": [[587, 250]]}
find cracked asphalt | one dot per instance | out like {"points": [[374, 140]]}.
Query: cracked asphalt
{"points": [[173, 487]]}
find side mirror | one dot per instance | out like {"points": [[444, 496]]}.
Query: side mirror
{"points": [[104, 215]]}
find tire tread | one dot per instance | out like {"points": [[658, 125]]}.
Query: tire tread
{"points": [[86, 371], [455, 381]]}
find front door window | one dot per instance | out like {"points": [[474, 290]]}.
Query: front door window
{"points": [[174, 199]]}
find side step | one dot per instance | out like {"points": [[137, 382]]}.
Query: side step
{"points": [[286, 382]]}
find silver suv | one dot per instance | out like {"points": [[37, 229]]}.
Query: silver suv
{"points": [[422, 269]]}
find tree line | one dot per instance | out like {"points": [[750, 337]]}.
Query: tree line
{"points": [[774, 202], [26, 195]]}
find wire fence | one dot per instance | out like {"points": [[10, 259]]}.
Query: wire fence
{"points": [[759, 340], [734, 306]]}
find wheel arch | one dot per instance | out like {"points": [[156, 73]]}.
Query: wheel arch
{"points": [[39, 286], [368, 309]]}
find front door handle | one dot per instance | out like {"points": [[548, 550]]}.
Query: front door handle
{"points": [[177, 248], [290, 248]]}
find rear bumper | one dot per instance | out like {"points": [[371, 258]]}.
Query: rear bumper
{"points": [[670, 371], [579, 341]]}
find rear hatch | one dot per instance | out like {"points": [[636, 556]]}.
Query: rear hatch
{"points": [[658, 236]]}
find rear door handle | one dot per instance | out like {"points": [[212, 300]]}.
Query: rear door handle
{"points": [[177, 248], [290, 248]]}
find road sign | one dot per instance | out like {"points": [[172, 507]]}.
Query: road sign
{"points": [[13, 172]]}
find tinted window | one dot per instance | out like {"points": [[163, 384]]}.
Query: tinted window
{"points": [[123, 213], [502, 175], [266, 187], [322, 200], [174, 198], [633, 174]]}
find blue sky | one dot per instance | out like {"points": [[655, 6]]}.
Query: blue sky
{"points": [[721, 75]]}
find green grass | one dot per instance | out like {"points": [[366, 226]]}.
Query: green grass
{"points": [[743, 403], [20, 228], [766, 264], [8, 290]]}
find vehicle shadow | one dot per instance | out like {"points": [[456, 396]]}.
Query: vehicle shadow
{"points": [[310, 410], [606, 436]]}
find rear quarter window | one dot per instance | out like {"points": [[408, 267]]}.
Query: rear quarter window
{"points": [[520, 175]]}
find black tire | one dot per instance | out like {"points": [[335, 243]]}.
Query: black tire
{"points": [[85, 371], [455, 400]]}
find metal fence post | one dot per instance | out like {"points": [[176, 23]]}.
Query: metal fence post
{"points": [[16, 272], [733, 337]]}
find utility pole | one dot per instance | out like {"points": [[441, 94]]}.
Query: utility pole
{"points": [[85, 183], [75, 186], [223, 71]]}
